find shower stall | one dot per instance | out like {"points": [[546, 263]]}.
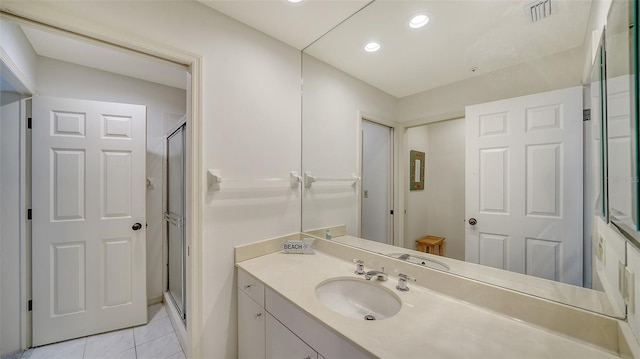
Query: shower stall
{"points": [[175, 219]]}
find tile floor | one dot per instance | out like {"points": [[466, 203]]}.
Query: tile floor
{"points": [[155, 340]]}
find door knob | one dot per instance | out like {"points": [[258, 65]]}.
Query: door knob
{"points": [[136, 226], [473, 221]]}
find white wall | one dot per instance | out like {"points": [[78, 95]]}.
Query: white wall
{"points": [[14, 44], [164, 106], [9, 223], [445, 173], [333, 104], [597, 20], [439, 209], [447, 102], [417, 202], [251, 109]]}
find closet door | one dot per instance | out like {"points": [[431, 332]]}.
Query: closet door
{"points": [[524, 185]]}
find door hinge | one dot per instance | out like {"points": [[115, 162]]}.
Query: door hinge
{"points": [[30, 305], [29, 214], [29, 122], [391, 212], [586, 115]]}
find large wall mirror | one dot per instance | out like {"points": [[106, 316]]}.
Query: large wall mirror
{"points": [[379, 86], [622, 121]]}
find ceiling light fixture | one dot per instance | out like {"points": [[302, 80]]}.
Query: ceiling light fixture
{"points": [[294, 1], [418, 20], [372, 46]]}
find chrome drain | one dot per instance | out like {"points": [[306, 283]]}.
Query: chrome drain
{"points": [[369, 317]]}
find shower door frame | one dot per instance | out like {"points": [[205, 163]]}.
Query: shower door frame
{"points": [[179, 129]]}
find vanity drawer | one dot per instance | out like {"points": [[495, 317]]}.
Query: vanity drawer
{"points": [[251, 286]]}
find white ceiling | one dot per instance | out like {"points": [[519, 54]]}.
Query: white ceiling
{"points": [[487, 34], [297, 25], [107, 58]]}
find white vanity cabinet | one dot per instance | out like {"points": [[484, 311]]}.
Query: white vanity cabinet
{"points": [[251, 328], [282, 343], [271, 327]]}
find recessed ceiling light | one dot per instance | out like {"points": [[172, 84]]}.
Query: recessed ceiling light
{"points": [[294, 1], [418, 20], [372, 46]]}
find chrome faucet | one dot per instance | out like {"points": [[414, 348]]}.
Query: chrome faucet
{"points": [[359, 266], [380, 275], [402, 282]]}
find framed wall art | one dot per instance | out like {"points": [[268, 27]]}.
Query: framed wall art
{"points": [[416, 165]]}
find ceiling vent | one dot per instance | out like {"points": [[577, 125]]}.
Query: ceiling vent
{"points": [[540, 9]]}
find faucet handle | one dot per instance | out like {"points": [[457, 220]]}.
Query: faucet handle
{"points": [[359, 266], [402, 282]]}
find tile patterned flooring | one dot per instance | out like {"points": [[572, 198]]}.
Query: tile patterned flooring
{"points": [[155, 340]]}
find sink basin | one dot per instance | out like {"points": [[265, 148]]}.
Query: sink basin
{"points": [[358, 298], [423, 261]]}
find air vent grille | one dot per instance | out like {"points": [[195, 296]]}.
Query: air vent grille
{"points": [[539, 10]]}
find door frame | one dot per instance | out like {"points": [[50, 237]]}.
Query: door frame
{"points": [[22, 267], [396, 185], [40, 16], [26, 89]]}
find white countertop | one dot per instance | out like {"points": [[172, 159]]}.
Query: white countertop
{"points": [[429, 324]]}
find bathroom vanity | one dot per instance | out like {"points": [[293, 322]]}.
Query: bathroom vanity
{"points": [[281, 312]]}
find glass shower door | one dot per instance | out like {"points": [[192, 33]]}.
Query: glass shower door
{"points": [[174, 217]]}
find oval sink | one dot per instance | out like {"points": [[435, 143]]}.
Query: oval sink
{"points": [[358, 298], [431, 263]]}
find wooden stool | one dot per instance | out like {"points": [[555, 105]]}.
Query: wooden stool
{"points": [[428, 244]]}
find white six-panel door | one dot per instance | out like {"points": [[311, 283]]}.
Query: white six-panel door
{"points": [[88, 169], [524, 184]]}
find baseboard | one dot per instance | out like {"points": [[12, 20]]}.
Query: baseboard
{"points": [[152, 301]]}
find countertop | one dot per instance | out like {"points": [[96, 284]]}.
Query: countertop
{"points": [[429, 324]]}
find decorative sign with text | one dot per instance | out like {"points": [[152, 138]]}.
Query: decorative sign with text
{"points": [[298, 247]]}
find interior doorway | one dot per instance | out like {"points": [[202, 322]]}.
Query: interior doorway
{"points": [[438, 208], [52, 70], [376, 199]]}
